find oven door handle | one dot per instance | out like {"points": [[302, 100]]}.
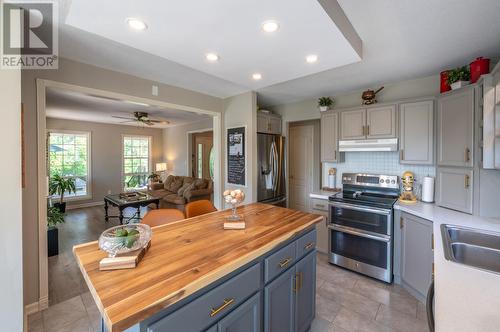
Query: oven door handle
{"points": [[352, 231], [361, 208]]}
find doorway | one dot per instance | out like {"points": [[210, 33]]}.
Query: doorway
{"points": [[303, 158], [202, 156]]}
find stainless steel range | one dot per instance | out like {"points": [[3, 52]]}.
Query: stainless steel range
{"points": [[361, 224]]}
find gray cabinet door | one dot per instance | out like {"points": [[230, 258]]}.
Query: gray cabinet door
{"points": [[279, 303], [416, 138], [329, 137], [381, 122], [262, 123], [275, 125], [455, 128], [306, 292], [416, 253], [245, 318], [455, 188], [352, 124]]}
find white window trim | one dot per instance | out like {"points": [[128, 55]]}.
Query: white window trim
{"points": [[89, 164], [150, 164]]}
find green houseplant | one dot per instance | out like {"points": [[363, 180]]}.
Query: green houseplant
{"points": [[458, 77], [54, 217], [58, 185], [154, 177], [324, 103]]}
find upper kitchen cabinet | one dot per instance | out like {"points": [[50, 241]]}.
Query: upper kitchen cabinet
{"points": [[368, 123], [268, 123], [329, 137], [416, 136], [381, 122], [353, 124], [456, 128]]}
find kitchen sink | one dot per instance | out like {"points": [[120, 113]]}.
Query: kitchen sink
{"points": [[472, 247]]}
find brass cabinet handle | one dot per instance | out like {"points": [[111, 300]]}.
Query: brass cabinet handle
{"points": [[432, 241], [227, 302], [432, 270], [285, 262], [319, 205], [309, 245], [367, 130], [467, 154], [466, 181], [335, 154], [401, 155], [295, 283], [364, 130], [401, 222]]}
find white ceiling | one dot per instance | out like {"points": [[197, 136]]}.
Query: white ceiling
{"points": [[402, 39], [70, 105], [185, 31]]}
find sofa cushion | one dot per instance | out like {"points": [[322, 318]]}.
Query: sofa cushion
{"points": [[173, 183], [200, 184], [174, 199], [185, 186]]}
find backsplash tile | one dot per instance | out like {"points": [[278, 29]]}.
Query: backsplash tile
{"points": [[386, 163]]}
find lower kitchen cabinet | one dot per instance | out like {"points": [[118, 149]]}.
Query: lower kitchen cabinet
{"points": [[416, 254], [305, 292], [455, 188], [245, 318], [290, 300], [319, 206]]}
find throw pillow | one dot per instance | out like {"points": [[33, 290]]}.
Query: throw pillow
{"points": [[185, 186], [200, 184], [174, 184]]}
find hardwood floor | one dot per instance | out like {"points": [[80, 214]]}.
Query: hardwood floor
{"points": [[82, 225]]}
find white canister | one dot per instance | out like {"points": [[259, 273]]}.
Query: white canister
{"points": [[331, 180], [428, 189]]}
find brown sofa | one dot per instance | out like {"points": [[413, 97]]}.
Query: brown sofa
{"points": [[176, 191]]}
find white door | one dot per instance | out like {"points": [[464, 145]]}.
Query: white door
{"points": [[301, 166]]}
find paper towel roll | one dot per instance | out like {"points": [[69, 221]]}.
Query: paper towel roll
{"points": [[428, 189], [331, 181]]}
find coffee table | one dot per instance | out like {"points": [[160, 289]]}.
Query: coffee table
{"points": [[122, 202]]}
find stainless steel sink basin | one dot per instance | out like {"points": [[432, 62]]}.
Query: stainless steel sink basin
{"points": [[472, 247]]}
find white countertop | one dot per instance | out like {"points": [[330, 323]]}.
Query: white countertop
{"points": [[466, 299], [322, 194]]}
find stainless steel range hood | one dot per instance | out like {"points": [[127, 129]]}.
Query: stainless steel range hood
{"points": [[386, 144]]}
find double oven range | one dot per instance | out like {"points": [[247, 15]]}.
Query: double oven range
{"points": [[361, 224]]}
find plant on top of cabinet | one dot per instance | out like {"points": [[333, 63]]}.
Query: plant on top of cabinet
{"points": [[458, 77], [324, 103]]}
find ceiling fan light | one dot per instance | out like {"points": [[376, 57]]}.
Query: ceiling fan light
{"points": [[257, 76], [270, 26], [136, 24]]}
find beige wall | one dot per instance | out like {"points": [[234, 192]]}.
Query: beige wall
{"points": [[106, 152], [177, 145], [11, 286], [85, 75], [241, 110]]}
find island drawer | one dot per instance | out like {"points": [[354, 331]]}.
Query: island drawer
{"points": [[280, 261], [306, 244], [210, 307]]}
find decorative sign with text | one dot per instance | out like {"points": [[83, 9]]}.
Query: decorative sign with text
{"points": [[236, 156]]}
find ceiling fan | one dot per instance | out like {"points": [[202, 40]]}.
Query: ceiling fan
{"points": [[141, 117]]}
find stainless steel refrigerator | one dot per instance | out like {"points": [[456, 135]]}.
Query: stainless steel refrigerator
{"points": [[271, 169]]}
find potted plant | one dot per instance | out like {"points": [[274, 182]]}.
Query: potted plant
{"points": [[458, 77], [154, 177], [54, 217], [324, 103], [58, 186]]}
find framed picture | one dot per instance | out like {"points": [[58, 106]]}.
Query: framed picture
{"points": [[236, 156]]}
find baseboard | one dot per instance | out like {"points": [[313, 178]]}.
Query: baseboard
{"points": [[83, 205], [28, 310]]}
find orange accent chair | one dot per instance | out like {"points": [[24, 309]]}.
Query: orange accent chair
{"points": [[198, 208], [162, 216]]}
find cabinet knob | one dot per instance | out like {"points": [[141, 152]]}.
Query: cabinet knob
{"points": [[467, 154], [466, 181]]}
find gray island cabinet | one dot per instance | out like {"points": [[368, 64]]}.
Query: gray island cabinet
{"points": [[196, 276], [274, 293]]}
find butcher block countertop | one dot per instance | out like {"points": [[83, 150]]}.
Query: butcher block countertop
{"points": [[184, 257]]}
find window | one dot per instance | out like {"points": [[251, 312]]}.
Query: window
{"points": [[136, 162], [69, 156]]}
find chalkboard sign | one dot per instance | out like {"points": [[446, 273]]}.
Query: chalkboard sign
{"points": [[236, 156]]}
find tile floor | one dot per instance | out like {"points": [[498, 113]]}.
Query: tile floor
{"points": [[345, 301]]}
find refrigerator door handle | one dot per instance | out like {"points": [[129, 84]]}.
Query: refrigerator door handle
{"points": [[274, 165]]}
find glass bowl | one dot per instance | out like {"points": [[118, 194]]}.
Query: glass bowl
{"points": [[124, 238]]}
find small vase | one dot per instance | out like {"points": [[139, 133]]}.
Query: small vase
{"points": [[324, 108], [233, 216]]}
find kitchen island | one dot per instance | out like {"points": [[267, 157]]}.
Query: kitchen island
{"points": [[197, 276]]}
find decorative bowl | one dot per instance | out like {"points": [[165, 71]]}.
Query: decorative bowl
{"points": [[124, 238], [234, 197]]}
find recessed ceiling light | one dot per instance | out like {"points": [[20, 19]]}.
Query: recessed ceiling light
{"points": [[212, 57], [257, 76], [136, 24], [311, 58], [270, 26]]}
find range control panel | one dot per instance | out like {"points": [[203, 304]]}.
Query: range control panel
{"points": [[372, 180]]}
